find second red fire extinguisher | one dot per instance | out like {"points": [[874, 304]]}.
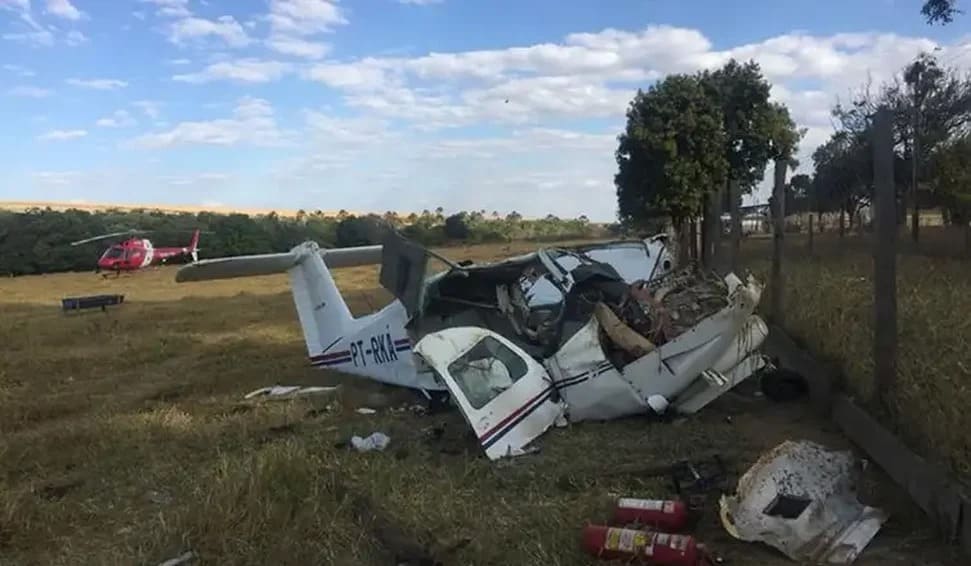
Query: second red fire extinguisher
{"points": [[663, 515]]}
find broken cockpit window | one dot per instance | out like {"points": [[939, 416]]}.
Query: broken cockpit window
{"points": [[486, 370]]}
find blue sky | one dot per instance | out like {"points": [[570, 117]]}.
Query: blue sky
{"points": [[374, 105]]}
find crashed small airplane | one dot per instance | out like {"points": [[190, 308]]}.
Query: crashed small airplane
{"points": [[563, 334]]}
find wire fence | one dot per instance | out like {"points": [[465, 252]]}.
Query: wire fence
{"points": [[894, 315]]}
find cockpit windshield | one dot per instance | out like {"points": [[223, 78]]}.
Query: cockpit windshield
{"points": [[114, 252]]}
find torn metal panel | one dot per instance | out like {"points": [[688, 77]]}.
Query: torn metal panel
{"points": [[799, 498], [588, 382]]}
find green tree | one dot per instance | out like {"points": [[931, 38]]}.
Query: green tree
{"points": [[749, 122], [940, 11], [457, 226], [952, 182], [799, 194], [671, 153]]}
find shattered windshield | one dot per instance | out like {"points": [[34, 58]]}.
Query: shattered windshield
{"points": [[632, 262], [487, 370]]}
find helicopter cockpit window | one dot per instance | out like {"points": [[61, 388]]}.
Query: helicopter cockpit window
{"points": [[114, 253]]}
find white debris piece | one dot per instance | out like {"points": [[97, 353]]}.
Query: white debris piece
{"points": [[288, 391], [799, 499], [365, 411], [179, 560], [377, 441]]}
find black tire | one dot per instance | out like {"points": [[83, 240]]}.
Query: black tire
{"points": [[783, 385]]}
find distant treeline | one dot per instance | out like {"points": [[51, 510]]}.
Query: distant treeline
{"points": [[38, 240]]}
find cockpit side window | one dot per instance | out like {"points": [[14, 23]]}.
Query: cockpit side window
{"points": [[487, 370]]}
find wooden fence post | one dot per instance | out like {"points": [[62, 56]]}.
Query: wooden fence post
{"points": [[810, 232], [776, 283], [885, 259]]}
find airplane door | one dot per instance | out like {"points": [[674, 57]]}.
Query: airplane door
{"points": [[504, 394]]}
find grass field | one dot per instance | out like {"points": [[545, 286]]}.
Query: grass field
{"points": [[124, 440], [829, 306]]}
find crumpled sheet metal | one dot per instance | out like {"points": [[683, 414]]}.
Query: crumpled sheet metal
{"points": [[834, 527]]}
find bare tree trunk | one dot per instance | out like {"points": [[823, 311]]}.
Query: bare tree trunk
{"points": [[915, 221], [713, 212], [693, 234], [681, 233], [734, 205], [842, 221], [706, 230], [967, 237], [819, 220], [810, 232], [777, 283]]}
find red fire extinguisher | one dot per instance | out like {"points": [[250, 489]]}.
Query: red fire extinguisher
{"points": [[648, 547], [662, 515]]}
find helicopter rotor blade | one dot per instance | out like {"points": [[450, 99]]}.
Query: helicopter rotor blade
{"points": [[107, 236]]}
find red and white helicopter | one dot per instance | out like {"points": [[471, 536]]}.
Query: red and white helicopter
{"points": [[134, 253], [529, 342]]}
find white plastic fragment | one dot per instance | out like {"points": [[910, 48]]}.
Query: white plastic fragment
{"points": [[179, 560], [658, 403], [377, 441], [365, 411], [799, 499], [288, 391]]}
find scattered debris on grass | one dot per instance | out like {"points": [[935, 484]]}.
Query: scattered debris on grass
{"points": [[799, 498], [365, 411], [288, 392], [55, 491], [184, 558], [377, 441]]}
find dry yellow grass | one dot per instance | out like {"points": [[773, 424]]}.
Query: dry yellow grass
{"points": [[20, 206], [124, 440], [829, 306]]}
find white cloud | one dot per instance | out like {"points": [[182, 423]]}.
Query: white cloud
{"points": [[62, 135], [118, 119], [298, 47], [98, 84], [304, 17], [179, 61], [41, 38], [63, 9], [225, 28], [138, 15], [29, 92], [149, 107], [171, 8], [75, 38], [19, 70], [252, 123], [57, 178], [366, 74], [241, 70], [420, 2]]}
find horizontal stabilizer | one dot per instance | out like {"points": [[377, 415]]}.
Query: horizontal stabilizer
{"points": [[241, 266], [268, 264]]}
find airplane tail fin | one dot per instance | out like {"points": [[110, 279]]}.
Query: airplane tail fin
{"points": [[322, 311]]}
